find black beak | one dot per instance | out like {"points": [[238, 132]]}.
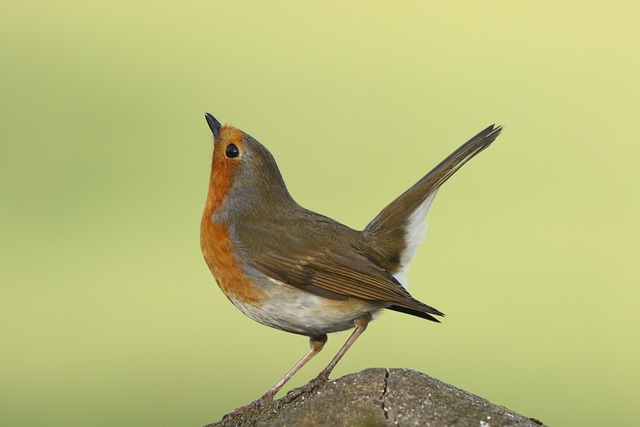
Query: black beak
{"points": [[214, 125]]}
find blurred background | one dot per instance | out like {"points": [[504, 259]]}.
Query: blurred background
{"points": [[108, 314]]}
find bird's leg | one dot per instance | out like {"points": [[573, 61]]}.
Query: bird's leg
{"points": [[316, 344], [361, 324]]}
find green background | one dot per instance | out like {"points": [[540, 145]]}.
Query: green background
{"points": [[108, 314]]}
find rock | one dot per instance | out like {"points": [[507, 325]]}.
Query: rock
{"points": [[381, 397]]}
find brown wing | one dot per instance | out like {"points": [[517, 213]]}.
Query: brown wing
{"points": [[342, 275]]}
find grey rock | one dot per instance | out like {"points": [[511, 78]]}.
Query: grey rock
{"points": [[381, 397]]}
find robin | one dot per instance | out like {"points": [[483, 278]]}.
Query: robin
{"points": [[298, 271]]}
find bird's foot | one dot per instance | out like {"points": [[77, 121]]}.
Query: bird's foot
{"points": [[266, 398], [307, 388]]}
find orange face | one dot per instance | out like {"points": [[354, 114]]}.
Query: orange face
{"points": [[217, 248], [222, 167]]}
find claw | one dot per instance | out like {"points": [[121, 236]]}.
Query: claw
{"points": [[305, 389]]}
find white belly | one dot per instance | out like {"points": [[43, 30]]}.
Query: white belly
{"points": [[300, 312]]}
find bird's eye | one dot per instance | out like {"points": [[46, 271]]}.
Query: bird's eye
{"points": [[232, 151]]}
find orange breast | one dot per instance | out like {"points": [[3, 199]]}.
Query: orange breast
{"points": [[219, 253]]}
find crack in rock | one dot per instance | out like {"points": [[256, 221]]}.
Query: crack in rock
{"points": [[383, 396]]}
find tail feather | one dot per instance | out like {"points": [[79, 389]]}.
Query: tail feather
{"points": [[400, 227], [424, 313]]}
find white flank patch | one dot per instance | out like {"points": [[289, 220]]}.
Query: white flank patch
{"points": [[416, 229]]}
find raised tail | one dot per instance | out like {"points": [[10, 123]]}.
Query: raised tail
{"points": [[400, 227]]}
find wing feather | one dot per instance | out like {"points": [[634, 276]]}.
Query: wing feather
{"points": [[341, 275]]}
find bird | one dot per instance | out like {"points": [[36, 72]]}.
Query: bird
{"points": [[298, 271]]}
